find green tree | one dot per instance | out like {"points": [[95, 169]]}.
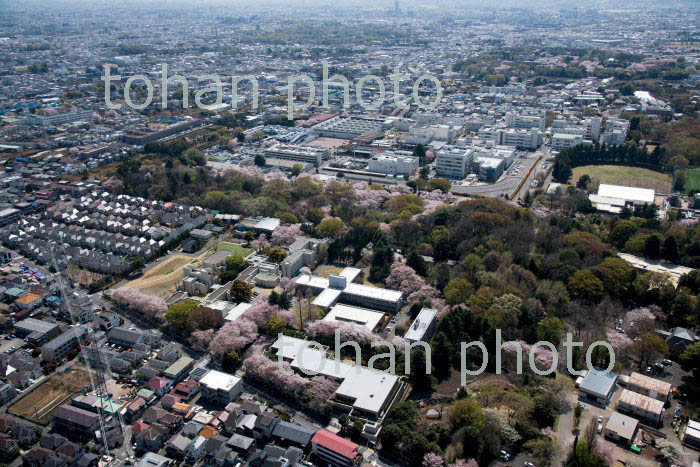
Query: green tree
{"points": [[647, 348], [260, 160], [669, 250], [236, 264], [420, 152], [690, 359], [652, 247], [585, 284], [241, 291], [467, 413], [331, 228], [178, 314], [276, 255], [458, 290], [297, 169], [550, 329], [442, 353]]}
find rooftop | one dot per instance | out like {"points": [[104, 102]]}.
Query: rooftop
{"points": [[217, 380], [641, 401]]}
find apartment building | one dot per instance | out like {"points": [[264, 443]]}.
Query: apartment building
{"points": [[56, 349]]}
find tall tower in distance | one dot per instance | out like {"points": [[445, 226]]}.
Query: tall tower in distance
{"points": [[397, 8]]}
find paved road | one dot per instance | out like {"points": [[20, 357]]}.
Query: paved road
{"points": [[507, 184]]}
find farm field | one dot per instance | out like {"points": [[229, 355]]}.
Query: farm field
{"points": [[627, 176], [38, 405]]}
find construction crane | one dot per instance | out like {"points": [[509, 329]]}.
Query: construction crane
{"points": [[98, 382]]}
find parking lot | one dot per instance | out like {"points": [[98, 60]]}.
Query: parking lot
{"points": [[6, 345]]}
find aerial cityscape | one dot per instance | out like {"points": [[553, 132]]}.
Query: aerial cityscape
{"points": [[310, 233]]}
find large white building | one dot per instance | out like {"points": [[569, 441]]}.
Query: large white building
{"points": [[453, 163], [565, 141], [393, 164], [423, 326], [524, 121], [363, 392], [613, 198], [306, 154], [304, 251], [359, 316], [219, 386], [616, 131], [341, 288]]}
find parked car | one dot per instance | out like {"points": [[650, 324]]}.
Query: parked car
{"points": [[505, 456]]}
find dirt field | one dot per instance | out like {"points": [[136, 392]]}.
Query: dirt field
{"points": [[39, 405], [627, 176], [163, 279]]}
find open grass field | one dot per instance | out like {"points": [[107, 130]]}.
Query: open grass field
{"points": [[163, 279], [234, 248], [39, 404], [692, 181], [627, 176]]}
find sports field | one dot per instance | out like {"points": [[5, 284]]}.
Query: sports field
{"points": [[38, 405], [692, 180], [627, 176], [235, 248]]}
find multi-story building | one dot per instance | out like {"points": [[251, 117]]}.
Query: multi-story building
{"points": [[303, 252], [562, 141], [334, 450], [592, 128], [56, 349], [393, 164], [75, 422], [640, 406], [341, 288], [221, 387], [306, 154], [453, 163], [616, 131], [524, 121], [59, 119]]}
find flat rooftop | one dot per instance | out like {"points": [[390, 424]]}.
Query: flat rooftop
{"points": [[642, 195], [355, 315], [218, 380]]}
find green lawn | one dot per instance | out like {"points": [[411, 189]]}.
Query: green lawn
{"points": [[235, 248], [627, 176], [692, 180]]}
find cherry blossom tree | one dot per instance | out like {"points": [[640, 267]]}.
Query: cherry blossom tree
{"points": [[287, 284], [404, 278], [260, 243], [260, 368], [200, 339], [433, 460], [285, 235], [464, 463], [346, 331], [234, 335], [148, 305], [322, 391], [261, 312], [618, 340]]}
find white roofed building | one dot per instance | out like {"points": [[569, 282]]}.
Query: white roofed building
{"points": [[613, 198], [219, 386]]}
